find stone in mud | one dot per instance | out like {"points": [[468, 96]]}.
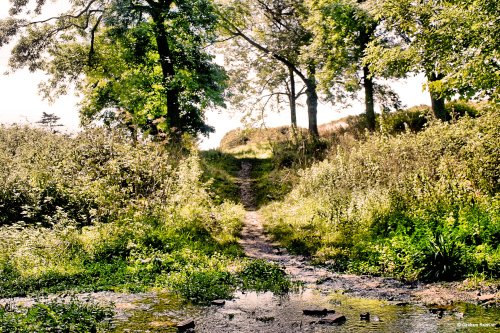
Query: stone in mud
{"points": [[437, 311], [317, 311], [333, 319], [265, 319], [218, 302], [364, 316], [324, 280], [486, 298], [186, 325]]}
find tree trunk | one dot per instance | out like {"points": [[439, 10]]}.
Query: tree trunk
{"points": [[292, 98], [168, 72], [369, 104], [312, 108], [312, 101], [437, 102]]}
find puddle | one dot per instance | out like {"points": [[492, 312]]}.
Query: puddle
{"points": [[266, 312]]}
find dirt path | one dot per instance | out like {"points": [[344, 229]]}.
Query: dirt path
{"points": [[257, 245]]}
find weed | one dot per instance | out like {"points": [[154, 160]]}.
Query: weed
{"points": [[73, 316], [417, 205]]}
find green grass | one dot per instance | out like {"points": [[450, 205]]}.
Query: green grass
{"points": [[417, 206], [73, 316], [221, 170]]}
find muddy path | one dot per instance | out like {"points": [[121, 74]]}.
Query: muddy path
{"points": [[258, 245], [394, 306]]}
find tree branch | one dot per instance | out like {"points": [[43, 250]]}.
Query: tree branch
{"points": [[80, 14], [264, 49]]}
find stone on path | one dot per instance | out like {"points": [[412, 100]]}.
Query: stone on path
{"points": [[317, 311], [364, 316], [265, 319], [332, 319], [185, 325], [218, 302]]}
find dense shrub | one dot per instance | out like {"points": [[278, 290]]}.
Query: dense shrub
{"points": [[99, 212], [416, 205]]}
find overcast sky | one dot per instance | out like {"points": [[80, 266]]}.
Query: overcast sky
{"points": [[20, 102]]}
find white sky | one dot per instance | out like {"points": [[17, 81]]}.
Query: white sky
{"points": [[20, 102]]}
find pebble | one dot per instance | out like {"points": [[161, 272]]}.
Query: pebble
{"points": [[364, 316]]}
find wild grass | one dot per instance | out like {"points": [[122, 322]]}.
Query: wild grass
{"points": [[73, 316], [414, 205], [100, 212]]}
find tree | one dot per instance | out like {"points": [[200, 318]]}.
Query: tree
{"points": [[342, 30], [49, 120], [175, 31], [454, 43], [126, 84], [259, 82], [276, 29]]}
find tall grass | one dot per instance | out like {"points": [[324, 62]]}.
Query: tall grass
{"points": [[100, 212], [415, 205]]}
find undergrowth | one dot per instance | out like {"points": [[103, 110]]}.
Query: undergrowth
{"points": [[73, 316], [100, 212], [420, 204]]}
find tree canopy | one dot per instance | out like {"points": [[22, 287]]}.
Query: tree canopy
{"points": [[454, 43], [149, 64], [147, 59]]}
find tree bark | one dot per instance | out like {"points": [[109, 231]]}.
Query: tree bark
{"points": [[312, 101], [293, 99], [312, 112], [168, 72], [369, 104], [437, 101]]}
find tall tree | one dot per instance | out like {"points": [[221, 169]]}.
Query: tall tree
{"points": [[66, 45], [342, 30], [258, 81], [275, 28], [454, 43]]}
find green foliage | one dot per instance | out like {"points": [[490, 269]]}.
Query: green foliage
{"points": [[144, 67], [201, 287], [415, 205], [341, 30], [453, 40], [413, 119], [261, 275], [258, 275], [153, 221], [127, 87], [223, 169], [74, 316]]}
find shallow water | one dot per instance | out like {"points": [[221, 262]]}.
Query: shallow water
{"points": [[265, 312]]}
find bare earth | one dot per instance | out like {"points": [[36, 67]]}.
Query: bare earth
{"points": [[257, 245]]}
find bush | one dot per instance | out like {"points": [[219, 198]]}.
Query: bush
{"points": [[260, 275], [99, 212], [418, 205], [74, 316]]}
